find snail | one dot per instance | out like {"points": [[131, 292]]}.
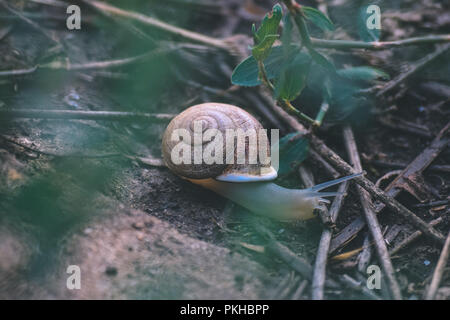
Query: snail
{"points": [[199, 132]]}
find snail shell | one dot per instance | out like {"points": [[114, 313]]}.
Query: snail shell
{"points": [[221, 117]]}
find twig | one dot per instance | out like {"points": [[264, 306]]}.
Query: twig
{"points": [[356, 285], [149, 161], [297, 263], [299, 292], [107, 64], [318, 159], [51, 154], [432, 204], [126, 24], [397, 124], [349, 44], [193, 36], [66, 65], [365, 255], [371, 218], [420, 163], [85, 115], [318, 282], [439, 271], [413, 237], [55, 3], [398, 165], [419, 65], [224, 44], [18, 72]]}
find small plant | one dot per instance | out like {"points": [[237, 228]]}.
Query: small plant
{"points": [[288, 68]]}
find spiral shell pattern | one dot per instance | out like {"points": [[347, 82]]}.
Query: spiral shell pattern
{"points": [[206, 116]]}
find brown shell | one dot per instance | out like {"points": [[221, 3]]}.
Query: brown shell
{"points": [[212, 116]]}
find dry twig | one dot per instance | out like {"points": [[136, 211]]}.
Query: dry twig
{"points": [[439, 271], [416, 167], [85, 115], [371, 218]]}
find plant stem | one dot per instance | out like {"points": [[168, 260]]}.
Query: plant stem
{"points": [[285, 104], [352, 44], [292, 110], [322, 112]]}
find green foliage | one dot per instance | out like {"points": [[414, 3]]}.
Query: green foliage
{"points": [[343, 90], [292, 78], [267, 33], [323, 61], [246, 73], [318, 18], [262, 49], [286, 37], [291, 70], [293, 151], [364, 74]]}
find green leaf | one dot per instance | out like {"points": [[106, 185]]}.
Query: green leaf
{"points": [[262, 50], [246, 73], [318, 18], [286, 37], [270, 23], [267, 33], [322, 60], [344, 99], [365, 73], [293, 151], [293, 77]]}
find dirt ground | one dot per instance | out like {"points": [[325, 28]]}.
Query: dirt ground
{"points": [[72, 193]]}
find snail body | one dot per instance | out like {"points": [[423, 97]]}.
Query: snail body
{"points": [[247, 183]]}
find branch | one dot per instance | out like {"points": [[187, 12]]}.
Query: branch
{"points": [[193, 36], [94, 65], [85, 115], [419, 65], [413, 237], [318, 282], [351, 44]]}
